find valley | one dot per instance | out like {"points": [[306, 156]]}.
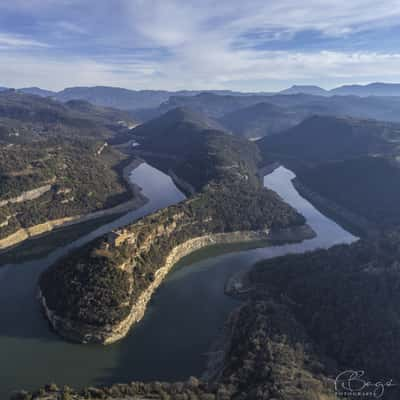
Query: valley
{"points": [[115, 276], [168, 260], [199, 200], [145, 354]]}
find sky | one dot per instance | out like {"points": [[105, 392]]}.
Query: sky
{"points": [[253, 45]]}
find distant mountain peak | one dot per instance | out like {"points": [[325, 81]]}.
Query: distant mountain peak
{"points": [[37, 91], [305, 89], [371, 89]]}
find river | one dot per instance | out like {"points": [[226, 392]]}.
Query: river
{"points": [[184, 317]]}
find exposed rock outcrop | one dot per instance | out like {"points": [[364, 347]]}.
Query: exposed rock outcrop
{"points": [[138, 200], [28, 195], [111, 333]]}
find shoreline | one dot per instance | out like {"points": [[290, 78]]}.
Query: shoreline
{"points": [[239, 288], [220, 348], [84, 333], [349, 220], [268, 169], [45, 228], [237, 285]]}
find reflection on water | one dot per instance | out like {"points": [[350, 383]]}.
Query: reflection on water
{"points": [[185, 315]]}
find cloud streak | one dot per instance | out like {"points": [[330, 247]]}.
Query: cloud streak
{"points": [[17, 41], [175, 44]]}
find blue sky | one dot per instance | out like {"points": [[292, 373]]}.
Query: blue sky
{"points": [[254, 45]]}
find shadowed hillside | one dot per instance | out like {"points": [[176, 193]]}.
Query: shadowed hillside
{"points": [[262, 119], [191, 145], [323, 138], [346, 298]]}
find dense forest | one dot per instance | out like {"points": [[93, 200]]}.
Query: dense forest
{"points": [[325, 138], [367, 186], [78, 181], [54, 160], [26, 117], [347, 300]]}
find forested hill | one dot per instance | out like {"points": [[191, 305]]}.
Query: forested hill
{"points": [[183, 119], [346, 300], [55, 161], [25, 117], [189, 144], [324, 138], [124, 99], [366, 186], [217, 106]]}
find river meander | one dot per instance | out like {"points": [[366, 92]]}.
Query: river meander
{"points": [[184, 317]]}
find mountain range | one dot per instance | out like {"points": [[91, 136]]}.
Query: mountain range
{"points": [[127, 99], [124, 99], [255, 116], [372, 89], [261, 119], [26, 117]]}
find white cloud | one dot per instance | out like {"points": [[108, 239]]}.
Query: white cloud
{"points": [[210, 45], [330, 17], [20, 70], [172, 22], [18, 41], [206, 44], [274, 69], [243, 70]]}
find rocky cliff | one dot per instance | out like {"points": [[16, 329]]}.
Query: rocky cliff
{"points": [[22, 234], [86, 333], [27, 196]]}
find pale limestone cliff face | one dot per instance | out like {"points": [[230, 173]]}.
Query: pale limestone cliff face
{"points": [[6, 221], [27, 196], [48, 226], [23, 234], [111, 333]]}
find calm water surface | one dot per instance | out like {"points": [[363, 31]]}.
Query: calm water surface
{"points": [[184, 317]]}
